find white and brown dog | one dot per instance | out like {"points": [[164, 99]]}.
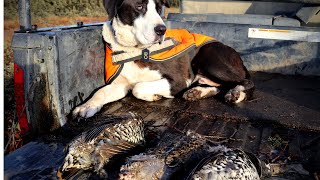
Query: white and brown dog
{"points": [[136, 24]]}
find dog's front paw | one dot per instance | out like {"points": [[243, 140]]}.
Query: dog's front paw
{"points": [[197, 93], [235, 96], [86, 110], [192, 94]]}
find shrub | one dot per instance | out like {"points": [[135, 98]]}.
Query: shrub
{"points": [[174, 3], [43, 8]]}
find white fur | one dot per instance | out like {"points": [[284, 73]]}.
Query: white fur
{"points": [[130, 51], [207, 91], [146, 84], [124, 34], [109, 93], [117, 42], [242, 94], [137, 52], [153, 90], [130, 75], [205, 80], [142, 33], [189, 82], [241, 97], [134, 74], [239, 88], [199, 92], [144, 25]]}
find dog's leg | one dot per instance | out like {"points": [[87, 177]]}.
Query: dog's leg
{"points": [[204, 80], [240, 92], [107, 94], [223, 64], [153, 90], [199, 92]]}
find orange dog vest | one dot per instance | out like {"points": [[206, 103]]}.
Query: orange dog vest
{"points": [[187, 41]]}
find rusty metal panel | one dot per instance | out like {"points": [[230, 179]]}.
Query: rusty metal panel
{"points": [[80, 65], [62, 67]]}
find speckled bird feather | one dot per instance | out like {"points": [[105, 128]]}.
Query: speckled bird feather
{"points": [[190, 156], [93, 148], [226, 164], [168, 157]]}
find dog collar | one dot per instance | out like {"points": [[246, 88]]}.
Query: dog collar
{"points": [[120, 57]]}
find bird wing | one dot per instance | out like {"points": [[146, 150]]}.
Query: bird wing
{"points": [[108, 150], [201, 163], [92, 133], [256, 162], [70, 174]]}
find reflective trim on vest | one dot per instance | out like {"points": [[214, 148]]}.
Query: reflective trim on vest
{"points": [[187, 41]]}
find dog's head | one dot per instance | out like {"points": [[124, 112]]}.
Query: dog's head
{"points": [[136, 22]]}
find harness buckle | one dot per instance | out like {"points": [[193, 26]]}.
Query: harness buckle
{"points": [[145, 55]]}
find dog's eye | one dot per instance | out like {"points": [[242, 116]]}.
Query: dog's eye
{"points": [[139, 7]]}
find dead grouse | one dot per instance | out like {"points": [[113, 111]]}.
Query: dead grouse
{"points": [[224, 163], [94, 147], [168, 160], [190, 156]]}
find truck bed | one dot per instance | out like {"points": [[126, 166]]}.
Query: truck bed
{"points": [[284, 106]]}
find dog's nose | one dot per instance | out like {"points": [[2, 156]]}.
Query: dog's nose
{"points": [[160, 29]]}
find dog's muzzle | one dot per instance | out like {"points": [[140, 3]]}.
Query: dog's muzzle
{"points": [[160, 29]]}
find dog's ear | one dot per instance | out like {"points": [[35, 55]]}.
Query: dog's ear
{"points": [[111, 7], [165, 3]]}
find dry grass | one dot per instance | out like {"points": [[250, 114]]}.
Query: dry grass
{"points": [[11, 25], [172, 10]]}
